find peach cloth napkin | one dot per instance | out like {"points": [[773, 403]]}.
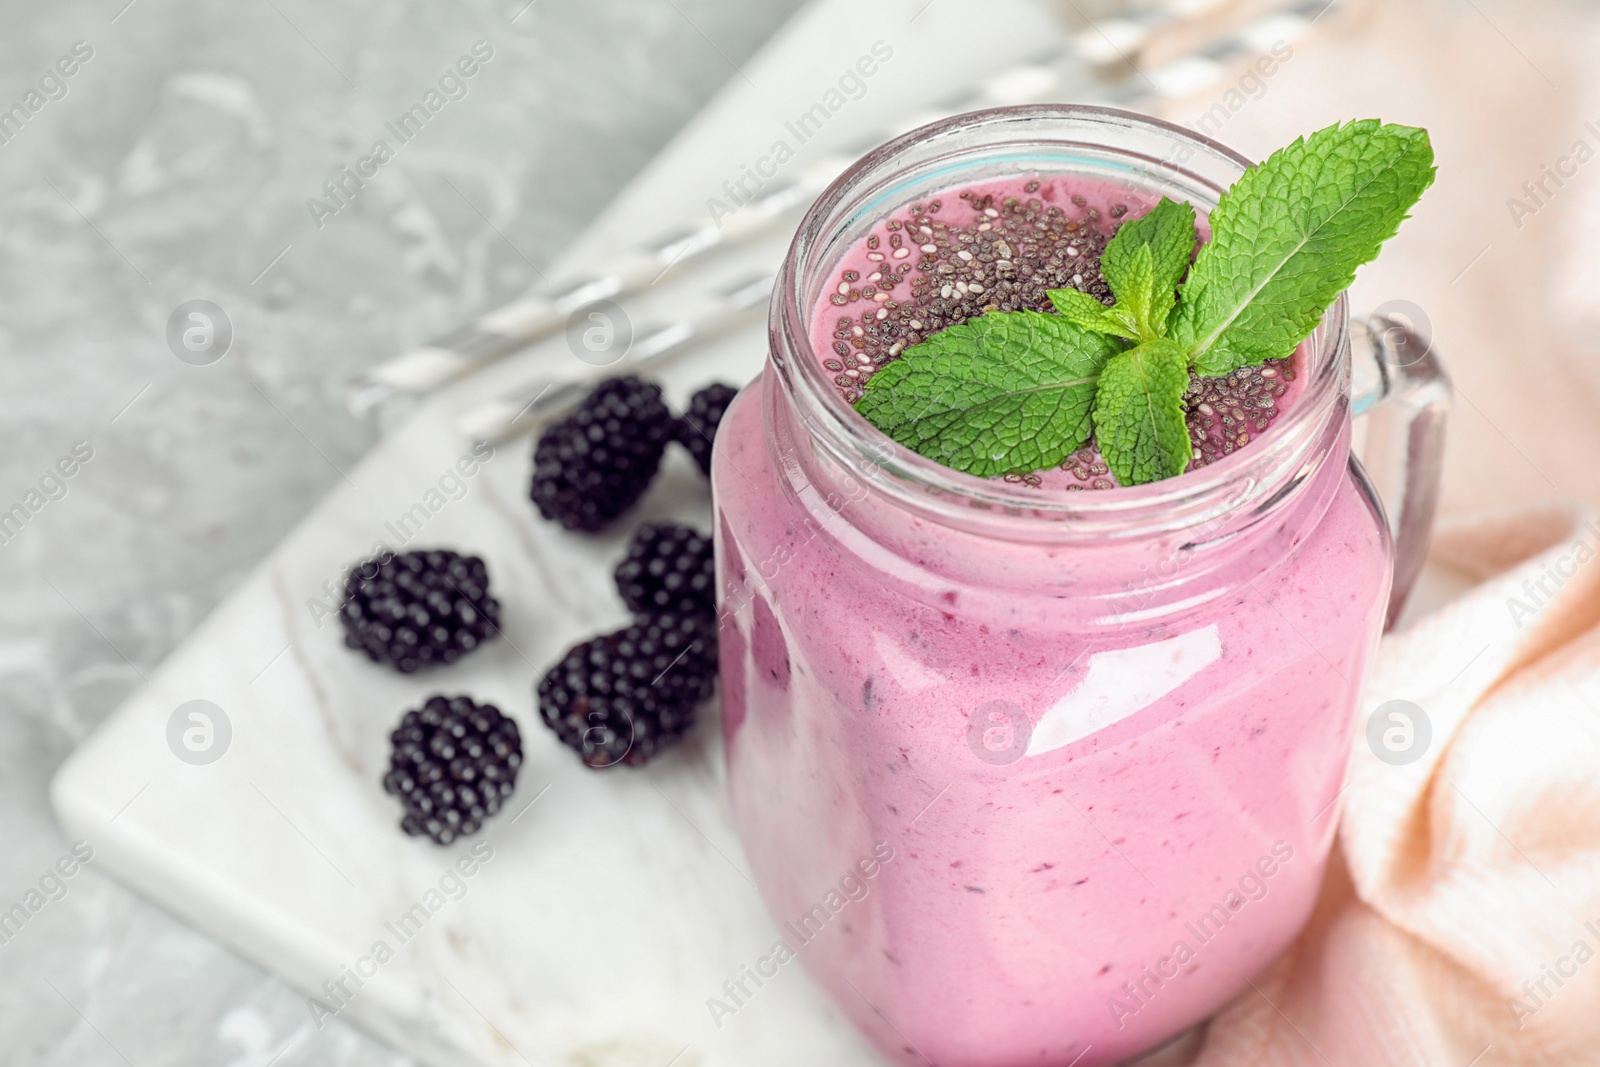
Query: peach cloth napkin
{"points": [[1460, 922]]}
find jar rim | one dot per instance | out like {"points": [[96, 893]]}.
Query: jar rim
{"points": [[1261, 473]]}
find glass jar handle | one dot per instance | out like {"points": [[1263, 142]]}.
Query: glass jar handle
{"points": [[1402, 390]]}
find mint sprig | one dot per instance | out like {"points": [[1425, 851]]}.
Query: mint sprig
{"points": [[1020, 391]]}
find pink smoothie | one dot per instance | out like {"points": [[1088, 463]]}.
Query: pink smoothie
{"points": [[1104, 777]]}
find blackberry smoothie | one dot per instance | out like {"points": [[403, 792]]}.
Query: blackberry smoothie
{"points": [[1104, 747]]}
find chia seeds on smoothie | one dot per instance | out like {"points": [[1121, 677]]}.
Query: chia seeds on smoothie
{"points": [[1001, 246]]}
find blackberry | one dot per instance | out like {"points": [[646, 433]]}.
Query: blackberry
{"points": [[698, 427], [668, 568], [597, 462], [418, 609], [624, 697], [453, 763]]}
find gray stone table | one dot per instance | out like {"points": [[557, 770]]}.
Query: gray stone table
{"points": [[175, 162]]}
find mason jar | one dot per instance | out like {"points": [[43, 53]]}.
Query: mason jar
{"points": [[1030, 776]]}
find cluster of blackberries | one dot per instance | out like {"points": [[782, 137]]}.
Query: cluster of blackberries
{"points": [[596, 463], [619, 698], [623, 697], [453, 762]]}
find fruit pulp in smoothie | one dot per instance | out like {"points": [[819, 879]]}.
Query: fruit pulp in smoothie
{"points": [[1103, 817]]}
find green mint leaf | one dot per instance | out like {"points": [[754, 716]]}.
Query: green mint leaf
{"points": [[1167, 234], [1020, 391], [1138, 412], [1005, 392], [1288, 237], [1081, 309]]}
